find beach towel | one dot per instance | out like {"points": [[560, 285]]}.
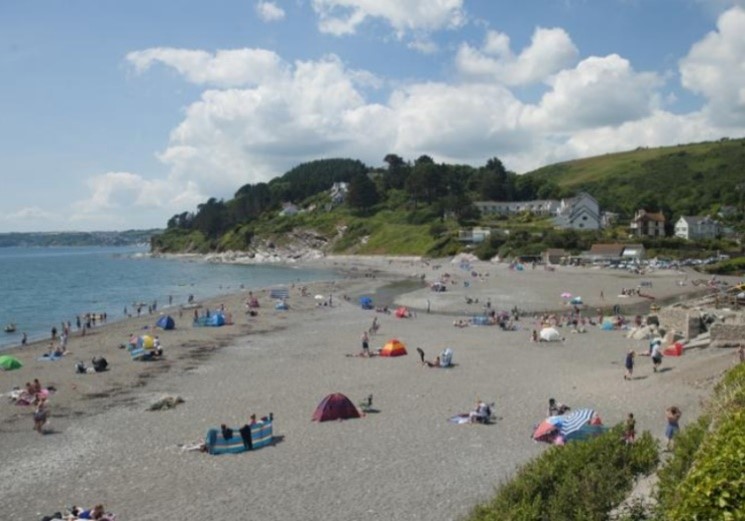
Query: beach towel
{"points": [[49, 358], [459, 419]]}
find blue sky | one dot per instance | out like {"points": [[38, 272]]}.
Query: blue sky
{"points": [[118, 115]]}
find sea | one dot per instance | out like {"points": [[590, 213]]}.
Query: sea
{"points": [[41, 287]]}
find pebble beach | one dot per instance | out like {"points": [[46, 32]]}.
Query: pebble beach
{"points": [[404, 461]]}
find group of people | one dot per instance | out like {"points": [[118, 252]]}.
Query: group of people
{"points": [[654, 353]]}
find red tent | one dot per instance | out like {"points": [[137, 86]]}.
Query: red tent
{"points": [[335, 407]]}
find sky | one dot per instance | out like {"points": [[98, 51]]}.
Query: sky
{"points": [[118, 115]]}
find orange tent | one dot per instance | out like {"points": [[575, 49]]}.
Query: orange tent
{"points": [[394, 347]]}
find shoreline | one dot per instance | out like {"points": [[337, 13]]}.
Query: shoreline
{"points": [[285, 362]]}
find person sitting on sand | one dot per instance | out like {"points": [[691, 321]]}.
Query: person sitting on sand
{"points": [[226, 431], [434, 363], [480, 414]]}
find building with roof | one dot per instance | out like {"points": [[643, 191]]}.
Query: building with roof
{"points": [[581, 212], [614, 253], [648, 224], [693, 227]]}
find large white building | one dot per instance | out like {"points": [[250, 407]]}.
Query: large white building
{"points": [[537, 207], [581, 212]]}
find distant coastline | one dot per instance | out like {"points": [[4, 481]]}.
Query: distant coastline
{"points": [[94, 238]]}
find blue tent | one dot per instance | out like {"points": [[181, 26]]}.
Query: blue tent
{"points": [[366, 303], [165, 322], [218, 319]]}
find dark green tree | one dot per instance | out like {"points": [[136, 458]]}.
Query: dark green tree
{"points": [[362, 194]]}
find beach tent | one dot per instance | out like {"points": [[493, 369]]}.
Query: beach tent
{"points": [[607, 325], [393, 348], [8, 363], [402, 312], [216, 320], [335, 406], [549, 334], [279, 293], [165, 322], [446, 357], [366, 303]]}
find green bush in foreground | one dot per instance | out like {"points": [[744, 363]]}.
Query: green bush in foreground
{"points": [[581, 481], [705, 479], [715, 487]]}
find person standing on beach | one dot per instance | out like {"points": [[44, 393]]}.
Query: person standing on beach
{"points": [[656, 355], [365, 344], [24, 339], [629, 363], [40, 415], [672, 415]]}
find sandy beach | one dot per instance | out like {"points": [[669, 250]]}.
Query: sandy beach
{"points": [[405, 462]]}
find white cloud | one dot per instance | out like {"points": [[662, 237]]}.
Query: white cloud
{"points": [[550, 51], [29, 214], [715, 68], [598, 92], [269, 11], [260, 115], [225, 68], [342, 17]]}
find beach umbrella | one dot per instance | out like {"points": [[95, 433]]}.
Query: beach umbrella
{"points": [[8, 363], [547, 428], [580, 424]]}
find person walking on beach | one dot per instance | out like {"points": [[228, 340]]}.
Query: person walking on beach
{"points": [[629, 363], [672, 415], [656, 356], [24, 339], [365, 344]]}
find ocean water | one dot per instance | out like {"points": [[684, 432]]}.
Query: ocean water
{"points": [[41, 287]]}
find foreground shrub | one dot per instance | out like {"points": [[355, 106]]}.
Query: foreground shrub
{"points": [[715, 487], [687, 443], [581, 481]]}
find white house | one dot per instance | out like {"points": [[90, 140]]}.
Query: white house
{"points": [[581, 212], [695, 227], [338, 192]]}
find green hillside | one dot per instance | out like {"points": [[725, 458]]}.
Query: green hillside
{"points": [[418, 207], [680, 180]]}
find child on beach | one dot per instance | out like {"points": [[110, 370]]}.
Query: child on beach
{"points": [[629, 363], [40, 415]]}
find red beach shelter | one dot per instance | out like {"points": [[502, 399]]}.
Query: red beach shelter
{"points": [[335, 406]]}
